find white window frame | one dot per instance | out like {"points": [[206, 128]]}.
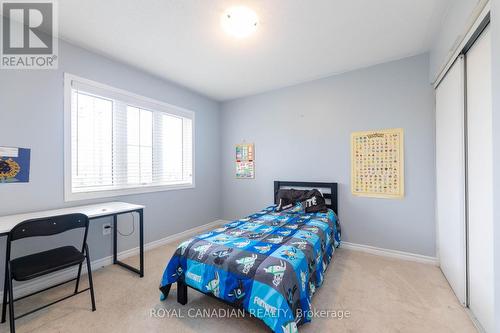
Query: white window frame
{"points": [[138, 101]]}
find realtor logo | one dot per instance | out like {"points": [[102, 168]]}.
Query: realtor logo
{"points": [[29, 35]]}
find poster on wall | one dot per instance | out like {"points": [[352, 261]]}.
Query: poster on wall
{"points": [[14, 165], [245, 163], [377, 163], [245, 170]]}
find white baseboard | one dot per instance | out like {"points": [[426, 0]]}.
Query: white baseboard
{"points": [[46, 281], [383, 252], [474, 320], [390, 253], [61, 276]]}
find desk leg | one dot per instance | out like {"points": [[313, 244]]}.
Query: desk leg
{"points": [[139, 271], [141, 241], [115, 238]]}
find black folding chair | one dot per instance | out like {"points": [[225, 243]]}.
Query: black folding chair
{"points": [[38, 264]]}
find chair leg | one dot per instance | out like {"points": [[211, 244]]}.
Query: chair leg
{"points": [[11, 304], [89, 272], [5, 291], [78, 277]]}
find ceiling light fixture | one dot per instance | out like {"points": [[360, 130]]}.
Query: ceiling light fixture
{"points": [[239, 21]]}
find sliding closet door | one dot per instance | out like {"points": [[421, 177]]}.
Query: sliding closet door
{"points": [[450, 178], [480, 180]]}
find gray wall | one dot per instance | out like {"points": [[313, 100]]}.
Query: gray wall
{"points": [[312, 121], [31, 116], [303, 133]]}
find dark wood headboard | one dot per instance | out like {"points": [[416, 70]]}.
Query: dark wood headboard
{"points": [[331, 187]]}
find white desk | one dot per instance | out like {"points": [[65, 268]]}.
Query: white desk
{"points": [[93, 212]]}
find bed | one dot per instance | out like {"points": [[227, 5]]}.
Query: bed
{"points": [[270, 263]]}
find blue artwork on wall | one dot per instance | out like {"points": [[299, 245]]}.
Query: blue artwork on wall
{"points": [[14, 165]]}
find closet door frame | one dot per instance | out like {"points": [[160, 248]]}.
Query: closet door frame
{"points": [[481, 25]]}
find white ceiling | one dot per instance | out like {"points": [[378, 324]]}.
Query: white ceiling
{"points": [[296, 41]]}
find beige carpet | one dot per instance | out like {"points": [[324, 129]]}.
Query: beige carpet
{"points": [[381, 295]]}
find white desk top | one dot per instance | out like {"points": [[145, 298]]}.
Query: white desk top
{"points": [[92, 211]]}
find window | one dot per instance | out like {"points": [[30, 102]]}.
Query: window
{"points": [[120, 143]]}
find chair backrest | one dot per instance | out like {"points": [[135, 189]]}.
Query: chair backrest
{"points": [[48, 226]]}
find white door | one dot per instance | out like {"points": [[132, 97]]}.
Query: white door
{"points": [[450, 178], [480, 180]]}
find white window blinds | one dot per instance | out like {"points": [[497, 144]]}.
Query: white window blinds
{"points": [[122, 143]]}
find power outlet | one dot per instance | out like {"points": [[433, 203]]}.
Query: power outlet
{"points": [[106, 229]]}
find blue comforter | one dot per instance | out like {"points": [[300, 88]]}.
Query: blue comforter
{"points": [[269, 263]]}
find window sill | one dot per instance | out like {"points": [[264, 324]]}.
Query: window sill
{"points": [[76, 196]]}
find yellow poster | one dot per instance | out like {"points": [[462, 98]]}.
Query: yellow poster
{"points": [[377, 163]]}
